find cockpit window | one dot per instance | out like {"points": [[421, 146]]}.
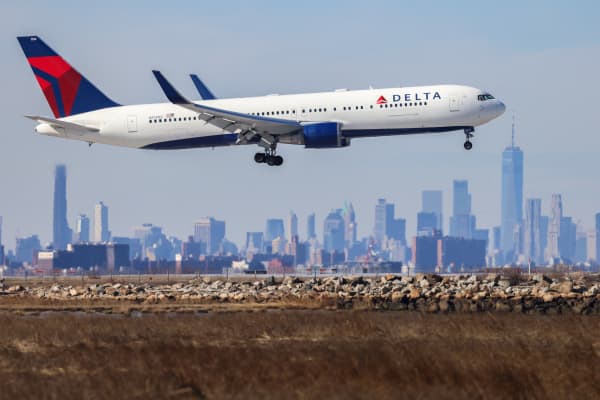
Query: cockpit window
{"points": [[485, 96]]}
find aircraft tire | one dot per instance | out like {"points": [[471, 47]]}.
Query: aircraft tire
{"points": [[468, 145], [260, 157]]}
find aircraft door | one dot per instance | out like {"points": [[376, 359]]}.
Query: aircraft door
{"points": [[131, 123], [454, 102]]}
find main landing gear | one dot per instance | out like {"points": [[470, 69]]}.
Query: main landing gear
{"points": [[469, 134], [268, 157]]}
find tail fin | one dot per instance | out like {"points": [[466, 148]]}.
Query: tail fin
{"points": [[66, 90]]}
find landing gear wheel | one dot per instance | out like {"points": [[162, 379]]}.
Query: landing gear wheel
{"points": [[260, 157], [270, 161], [277, 160], [469, 134]]}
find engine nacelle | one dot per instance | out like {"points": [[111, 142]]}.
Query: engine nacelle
{"points": [[324, 135]]}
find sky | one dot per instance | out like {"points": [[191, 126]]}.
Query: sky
{"points": [[540, 58]]}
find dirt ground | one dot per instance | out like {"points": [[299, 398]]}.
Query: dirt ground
{"points": [[298, 354]]}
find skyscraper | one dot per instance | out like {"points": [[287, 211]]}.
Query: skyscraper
{"points": [[427, 223], [61, 232], [381, 217], [349, 223], [512, 193], [1, 246], [82, 228], [556, 214], [334, 231], [462, 223], [211, 232], [311, 231], [386, 225], [101, 232], [533, 233], [432, 203], [597, 238], [274, 230], [292, 226], [567, 239], [254, 241]]}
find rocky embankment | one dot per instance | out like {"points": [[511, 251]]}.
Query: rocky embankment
{"points": [[427, 293]]}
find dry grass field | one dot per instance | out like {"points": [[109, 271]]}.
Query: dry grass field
{"points": [[299, 354]]}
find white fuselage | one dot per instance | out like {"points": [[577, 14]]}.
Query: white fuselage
{"points": [[361, 113]]}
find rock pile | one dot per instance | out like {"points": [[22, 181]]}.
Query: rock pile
{"points": [[427, 293]]}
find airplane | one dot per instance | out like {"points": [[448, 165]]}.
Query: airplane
{"points": [[315, 120]]}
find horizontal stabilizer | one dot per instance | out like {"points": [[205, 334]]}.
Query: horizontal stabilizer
{"points": [[56, 123]]}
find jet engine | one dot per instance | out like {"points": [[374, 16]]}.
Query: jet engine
{"points": [[324, 135]]}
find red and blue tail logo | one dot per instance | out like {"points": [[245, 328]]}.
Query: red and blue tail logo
{"points": [[66, 90]]}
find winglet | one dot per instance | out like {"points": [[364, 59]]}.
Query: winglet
{"points": [[172, 94], [204, 92]]}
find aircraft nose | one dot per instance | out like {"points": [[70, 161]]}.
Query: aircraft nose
{"points": [[501, 108]]}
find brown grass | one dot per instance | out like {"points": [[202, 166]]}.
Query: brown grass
{"points": [[299, 355]]}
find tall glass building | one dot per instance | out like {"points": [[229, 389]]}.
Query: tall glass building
{"points": [[61, 232], [432, 203], [512, 197]]}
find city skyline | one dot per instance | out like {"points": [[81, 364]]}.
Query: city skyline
{"points": [[549, 52]]}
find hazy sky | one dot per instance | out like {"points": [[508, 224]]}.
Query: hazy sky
{"points": [[541, 58]]}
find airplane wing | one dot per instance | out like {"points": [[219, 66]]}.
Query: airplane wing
{"points": [[245, 125], [204, 92], [56, 123]]}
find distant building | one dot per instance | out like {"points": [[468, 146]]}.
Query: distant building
{"points": [[432, 203], [82, 229], [192, 250], [311, 231], [581, 254], [274, 229], [556, 214], [105, 257], [386, 225], [512, 195], [447, 254], [458, 254], [597, 236], [567, 239], [592, 240], [292, 226], [427, 223], [425, 253], [155, 244], [255, 241], [349, 224], [1, 254], [334, 231], [101, 232], [210, 231], [533, 232], [135, 246], [462, 223], [61, 231], [26, 248], [384, 213]]}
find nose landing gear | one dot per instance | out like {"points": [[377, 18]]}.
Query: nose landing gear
{"points": [[469, 134]]}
